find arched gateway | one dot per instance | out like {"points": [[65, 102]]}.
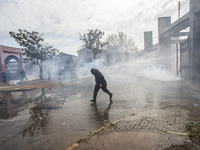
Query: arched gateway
{"points": [[11, 61]]}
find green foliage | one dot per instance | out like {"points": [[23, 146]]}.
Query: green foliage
{"points": [[198, 131], [33, 46], [79, 141], [193, 130], [189, 127], [192, 135], [121, 43], [91, 40]]}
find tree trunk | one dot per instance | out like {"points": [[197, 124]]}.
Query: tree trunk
{"points": [[41, 70]]}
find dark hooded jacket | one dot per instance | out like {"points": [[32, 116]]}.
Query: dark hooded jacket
{"points": [[99, 78], [23, 73], [3, 74]]}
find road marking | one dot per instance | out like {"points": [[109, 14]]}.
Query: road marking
{"points": [[70, 148]]}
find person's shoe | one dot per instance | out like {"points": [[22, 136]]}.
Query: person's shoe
{"points": [[111, 96], [93, 100]]}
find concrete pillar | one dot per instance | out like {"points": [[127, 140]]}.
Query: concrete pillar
{"points": [[195, 38], [148, 39], [164, 43]]}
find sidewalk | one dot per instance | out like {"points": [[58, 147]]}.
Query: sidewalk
{"points": [[155, 129], [36, 84]]}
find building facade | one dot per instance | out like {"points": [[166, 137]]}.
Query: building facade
{"points": [[106, 58], [11, 61]]}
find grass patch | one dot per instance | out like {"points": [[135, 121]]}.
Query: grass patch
{"points": [[189, 127], [198, 131], [192, 135], [193, 130], [79, 141]]}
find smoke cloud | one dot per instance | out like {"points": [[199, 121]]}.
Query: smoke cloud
{"points": [[151, 66]]}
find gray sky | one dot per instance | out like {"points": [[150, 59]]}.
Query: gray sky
{"points": [[62, 20]]}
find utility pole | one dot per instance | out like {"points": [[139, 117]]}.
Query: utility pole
{"points": [[177, 44], [179, 6]]}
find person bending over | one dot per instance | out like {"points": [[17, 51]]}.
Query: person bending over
{"points": [[100, 83]]}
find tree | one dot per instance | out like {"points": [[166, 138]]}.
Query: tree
{"points": [[91, 40], [34, 48], [121, 43]]}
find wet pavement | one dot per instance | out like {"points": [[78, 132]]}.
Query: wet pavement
{"points": [[55, 118]]}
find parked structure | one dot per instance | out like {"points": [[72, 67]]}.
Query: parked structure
{"points": [[67, 61], [86, 56], [188, 49], [107, 58], [116, 58], [66, 65]]}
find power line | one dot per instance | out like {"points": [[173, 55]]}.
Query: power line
{"points": [[184, 2], [181, 4]]}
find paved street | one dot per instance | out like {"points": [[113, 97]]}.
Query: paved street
{"points": [[55, 118]]}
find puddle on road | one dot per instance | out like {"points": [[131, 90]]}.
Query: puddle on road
{"points": [[101, 118], [27, 116], [12, 103], [65, 113]]}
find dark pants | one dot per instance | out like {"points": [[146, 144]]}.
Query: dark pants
{"points": [[24, 77], [4, 80], [96, 89]]}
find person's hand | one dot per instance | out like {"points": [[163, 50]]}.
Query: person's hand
{"points": [[100, 85]]}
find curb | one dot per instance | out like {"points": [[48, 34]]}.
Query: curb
{"points": [[97, 131]]}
